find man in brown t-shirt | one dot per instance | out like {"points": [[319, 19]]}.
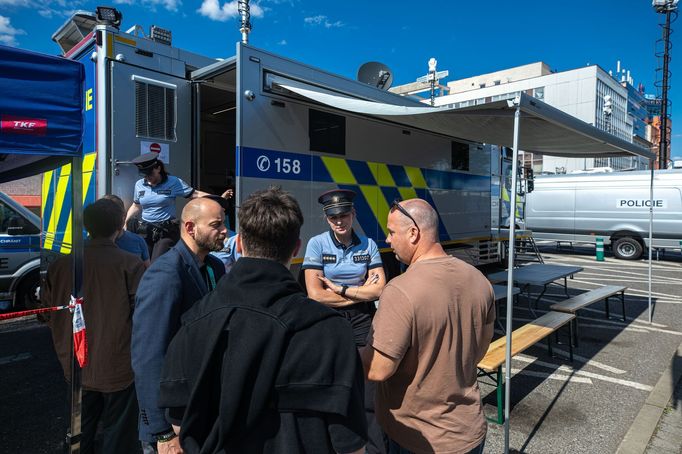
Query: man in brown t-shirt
{"points": [[433, 326]]}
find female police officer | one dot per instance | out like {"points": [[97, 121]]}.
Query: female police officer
{"points": [[154, 203], [344, 271]]}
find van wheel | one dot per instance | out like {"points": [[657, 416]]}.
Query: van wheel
{"points": [[26, 293], [627, 249]]}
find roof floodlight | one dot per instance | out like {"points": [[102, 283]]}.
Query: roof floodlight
{"points": [[109, 16], [161, 35]]}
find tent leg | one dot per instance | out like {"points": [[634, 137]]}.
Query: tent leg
{"points": [[73, 437], [510, 272], [651, 225]]}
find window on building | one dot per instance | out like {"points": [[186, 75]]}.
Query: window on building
{"points": [[481, 85], [539, 93], [496, 82], [154, 111], [460, 156], [327, 132]]}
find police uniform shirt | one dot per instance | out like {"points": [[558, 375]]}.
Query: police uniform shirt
{"points": [[340, 264], [158, 202], [228, 254]]}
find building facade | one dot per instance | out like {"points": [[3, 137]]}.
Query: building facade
{"points": [[588, 93]]}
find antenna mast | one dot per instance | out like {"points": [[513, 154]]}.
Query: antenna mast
{"points": [[245, 26]]}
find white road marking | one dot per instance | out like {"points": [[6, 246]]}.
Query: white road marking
{"points": [[582, 373], [551, 376]]}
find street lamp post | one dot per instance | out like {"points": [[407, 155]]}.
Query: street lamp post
{"points": [[669, 8]]}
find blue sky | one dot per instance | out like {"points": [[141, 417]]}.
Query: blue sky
{"points": [[467, 37]]}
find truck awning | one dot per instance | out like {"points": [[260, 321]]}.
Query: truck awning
{"points": [[543, 128]]}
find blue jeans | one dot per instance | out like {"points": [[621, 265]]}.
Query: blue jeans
{"points": [[395, 448]]}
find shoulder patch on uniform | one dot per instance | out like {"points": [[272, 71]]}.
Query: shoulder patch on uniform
{"points": [[140, 193], [328, 258], [361, 258]]}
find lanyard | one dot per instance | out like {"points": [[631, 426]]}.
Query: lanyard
{"points": [[210, 282]]}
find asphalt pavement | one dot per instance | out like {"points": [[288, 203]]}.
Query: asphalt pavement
{"points": [[588, 406], [33, 403]]}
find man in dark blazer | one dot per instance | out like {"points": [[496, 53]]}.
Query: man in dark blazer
{"points": [[168, 288]]}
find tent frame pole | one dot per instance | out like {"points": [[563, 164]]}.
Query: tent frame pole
{"points": [[510, 273], [651, 228], [74, 435]]}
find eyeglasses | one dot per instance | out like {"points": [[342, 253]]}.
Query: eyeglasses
{"points": [[396, 206]]}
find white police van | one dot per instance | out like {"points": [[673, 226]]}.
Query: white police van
{"points": [[19, 255], [614, 206]]}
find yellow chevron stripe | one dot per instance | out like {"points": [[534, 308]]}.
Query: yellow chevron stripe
{"points": [[377, 202], [47, 183], [339, 170], [60, 194], [88, 174], [381, 174], [416, 177], [407, 193]]}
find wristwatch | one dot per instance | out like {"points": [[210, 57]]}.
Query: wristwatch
{"points": [[343, 290], [164, 437]]}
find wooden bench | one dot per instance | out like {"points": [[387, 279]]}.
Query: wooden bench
{"points": [[573, 305], [522, 339]]}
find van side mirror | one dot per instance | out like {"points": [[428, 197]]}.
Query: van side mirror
{"points": [[530, 179]]}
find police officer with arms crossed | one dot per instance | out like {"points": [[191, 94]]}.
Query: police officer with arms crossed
{"points": [[154, 203], [344, 271]]}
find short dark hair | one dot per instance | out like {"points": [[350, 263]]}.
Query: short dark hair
{"points": [[270, 223], [119, 202], [102, 218]]}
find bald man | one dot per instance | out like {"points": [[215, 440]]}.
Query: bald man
{"points": [[168, 288], [433, 326]]}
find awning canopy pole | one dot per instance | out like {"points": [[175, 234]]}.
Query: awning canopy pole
{"points": [[651, 228], [510, 274]]}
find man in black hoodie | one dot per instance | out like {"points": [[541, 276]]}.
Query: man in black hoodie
{"points": [[257, 367]]}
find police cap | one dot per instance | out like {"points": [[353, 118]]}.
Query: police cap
{"points": [[337, 201], [146, 162]]}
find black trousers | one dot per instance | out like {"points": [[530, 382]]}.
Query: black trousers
{"points": [[116, 415], [361, 321]]}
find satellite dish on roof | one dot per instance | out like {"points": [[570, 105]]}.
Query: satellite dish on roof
{"points": [[376, 74]]}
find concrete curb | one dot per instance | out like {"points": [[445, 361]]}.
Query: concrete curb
{"points": [[643, 427]]}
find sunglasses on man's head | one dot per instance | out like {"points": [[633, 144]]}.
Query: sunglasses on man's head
{"points": [[396, 206]]}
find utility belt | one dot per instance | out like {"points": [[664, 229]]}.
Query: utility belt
{"points": [[154, 231], [366, 308]]}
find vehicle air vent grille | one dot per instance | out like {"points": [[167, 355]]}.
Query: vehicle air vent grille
{"points": [[154, 111]]}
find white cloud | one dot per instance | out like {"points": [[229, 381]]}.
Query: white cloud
{"points": [[283, 42], [229, 10], [46, 8], [322, 20], [8, 34], [170, 5], [14, 2]]}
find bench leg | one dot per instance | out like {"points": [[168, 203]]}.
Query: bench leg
{"points": [[549, 346], [499, 391], [575, 329], [500, 396], [622, 302], [606, 307], [570, 344]]}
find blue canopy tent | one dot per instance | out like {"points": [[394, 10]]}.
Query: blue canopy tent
{"points": [[41, 128]]}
